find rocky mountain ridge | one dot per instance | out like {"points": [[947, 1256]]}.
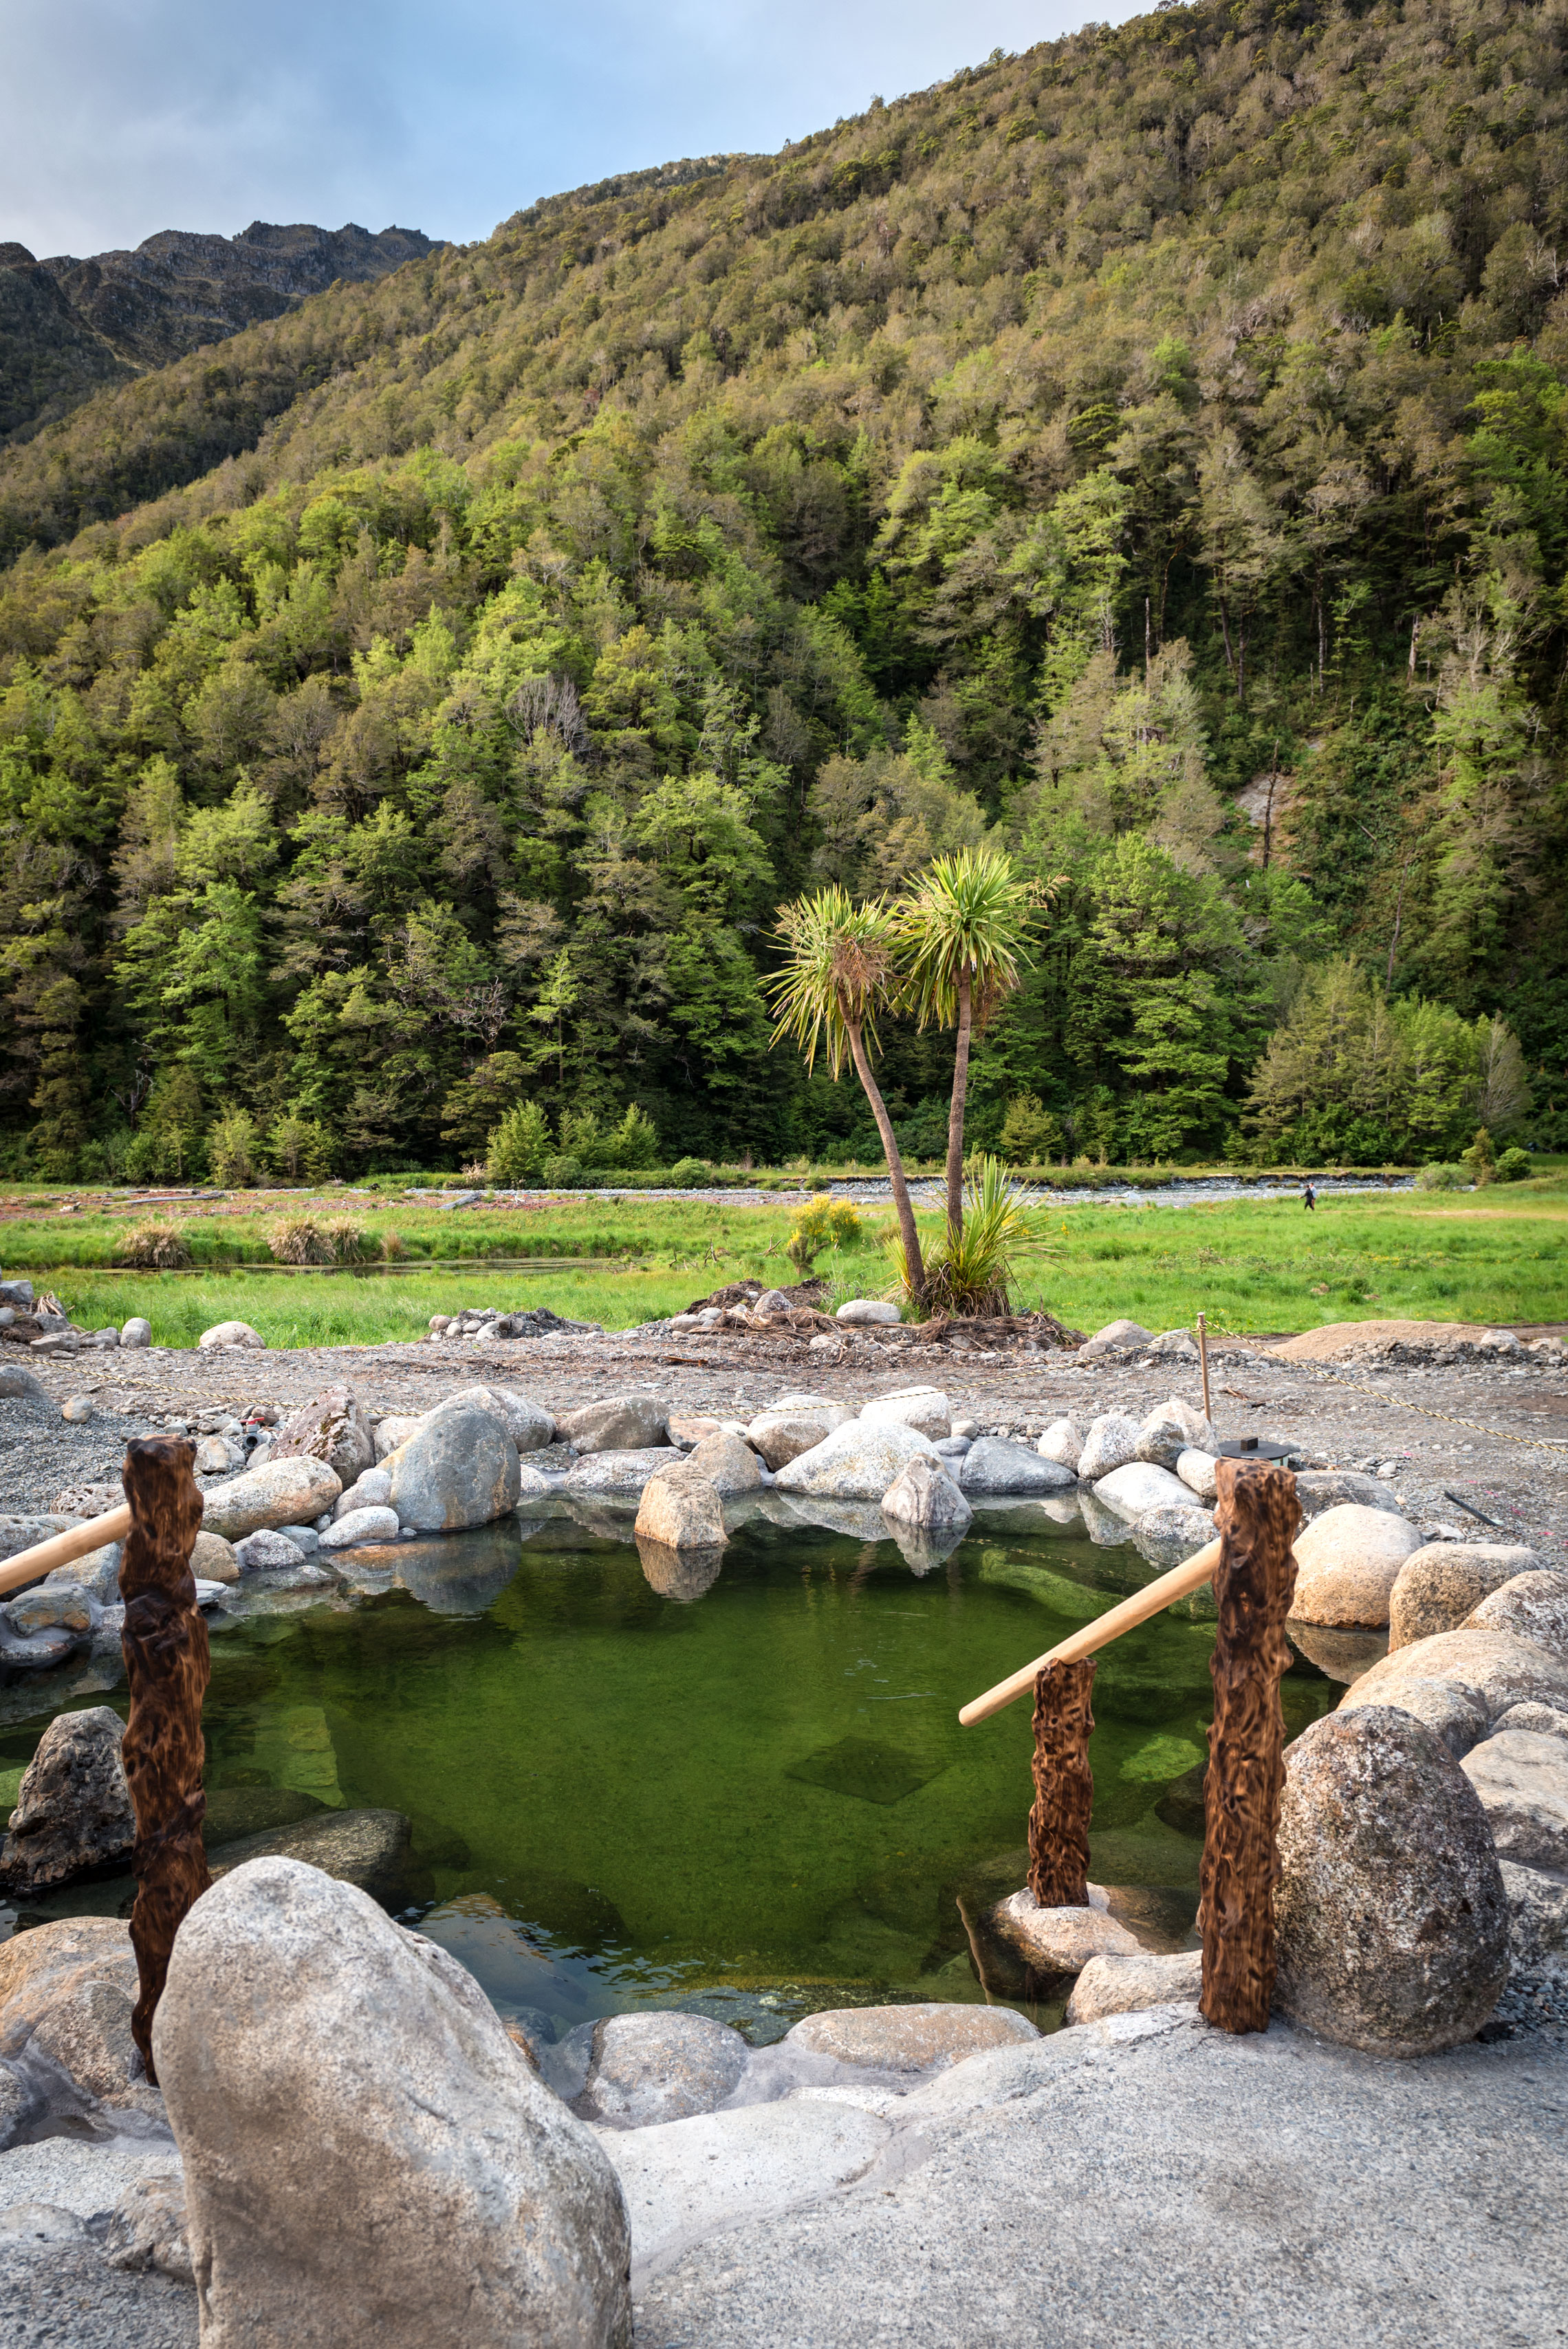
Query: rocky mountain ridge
{"points": [[70, 327]]}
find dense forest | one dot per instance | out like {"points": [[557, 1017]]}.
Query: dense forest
{"points": [[1148, 453]]}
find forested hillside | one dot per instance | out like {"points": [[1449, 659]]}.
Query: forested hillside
{"points": [[1149, 453]]}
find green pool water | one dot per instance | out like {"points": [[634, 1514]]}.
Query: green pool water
{"points": [[754, 1802]]}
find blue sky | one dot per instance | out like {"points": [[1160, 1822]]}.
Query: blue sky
{"points": [[121, 116]]}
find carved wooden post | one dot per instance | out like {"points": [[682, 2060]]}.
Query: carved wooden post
{"points": [[1253, 1585], [169, 1665], [1063, 1786]]}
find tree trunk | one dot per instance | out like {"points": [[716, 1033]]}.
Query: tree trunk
{"points": [[914, 1263], [955, 1113], [167, 1664]]}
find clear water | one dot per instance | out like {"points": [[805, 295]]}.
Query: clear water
{"points": [[753, 1801]]}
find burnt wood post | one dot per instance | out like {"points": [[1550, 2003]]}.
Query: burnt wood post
{"points": [[1254, 1584], [169, 1664], [1063, 1786]]}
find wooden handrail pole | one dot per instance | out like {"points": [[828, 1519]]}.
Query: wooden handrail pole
{"points": [[1180, 1583], [1259, 1515], [31, 1565], [169, 1664], [1063, 1786]]}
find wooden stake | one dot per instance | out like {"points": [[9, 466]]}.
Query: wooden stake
{"points": [[1180, 1583], [1258, 1515], [1203, 1365], [169, 1664], [1063, 1786]]}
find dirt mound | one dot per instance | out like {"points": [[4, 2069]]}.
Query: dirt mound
{"points": [[1339, 1337], [808, 1293]]}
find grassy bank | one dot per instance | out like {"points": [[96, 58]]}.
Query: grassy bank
{"points": [[1501, 1255]]}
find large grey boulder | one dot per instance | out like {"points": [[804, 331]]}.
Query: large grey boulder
{"points": [[232, 1333], [729, 1463], [925, 1408], [1544, 1719], [1318, 1489], [1449, 1709], [1162, 1441], [17, 1534], [632, 1422], [1392, 1920], [528, 1424], [56, 1602], [867, 1312], [929, 2037], [1060, 1940], [366, 1847], [66, 1992], [1112, 1441], [372, 1489], [618, 1475], [1117, 1338], [280, 1493], [459, 1468], [1170, 1535], [645, 2069], [1438, 1584], [72, 1814], [781, 1435], [1131, 1985], [393, 1432], [1497, 1668], [96, 1571], [1133, 1490], [993, 1463], [367, 2156], [1063, 1441], [17, 1385], [1521, 1778], [1533, 1607], [1347, 1561], [1199, 1472], [374, 1523], [924, 1495], [332, 1427], [137, 1331], [855, 1462], [1537, 1924], [681, 1509]]}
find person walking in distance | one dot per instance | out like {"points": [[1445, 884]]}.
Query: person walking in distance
{"points": [[1308, 1196]]}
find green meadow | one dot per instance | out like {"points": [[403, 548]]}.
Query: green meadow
{"points": [[1495, 1256]]}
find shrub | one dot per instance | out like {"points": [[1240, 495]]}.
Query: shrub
{"points": [[296, 1240], [394, 1248], [974, 1274], [1478, 1158], [1440, 1178], [562, 1172], [822, 1224], [689, 1173], [346, 1241], [233, 1150], [161, 1246], [1031, 1136], [1513, 1166], [519, 1145], [636, 1140]]}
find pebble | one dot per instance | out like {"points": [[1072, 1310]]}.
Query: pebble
{"points": [[78, 1410]]}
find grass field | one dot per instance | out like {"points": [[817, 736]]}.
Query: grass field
{"points": [[1496, 1256]]}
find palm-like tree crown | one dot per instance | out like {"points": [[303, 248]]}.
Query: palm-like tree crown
{"points": [[839, 971], [965, 920]]}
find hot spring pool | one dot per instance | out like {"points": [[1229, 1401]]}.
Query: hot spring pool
{"points": [[750, 1803]]}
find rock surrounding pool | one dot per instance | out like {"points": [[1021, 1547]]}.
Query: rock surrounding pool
{"points": [[753, 1803]]}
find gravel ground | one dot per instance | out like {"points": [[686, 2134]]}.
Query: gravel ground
{"points": [[1482, 1432]]}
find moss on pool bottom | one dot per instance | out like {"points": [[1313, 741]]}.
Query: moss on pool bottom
{"points": [[757, 1803]]}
